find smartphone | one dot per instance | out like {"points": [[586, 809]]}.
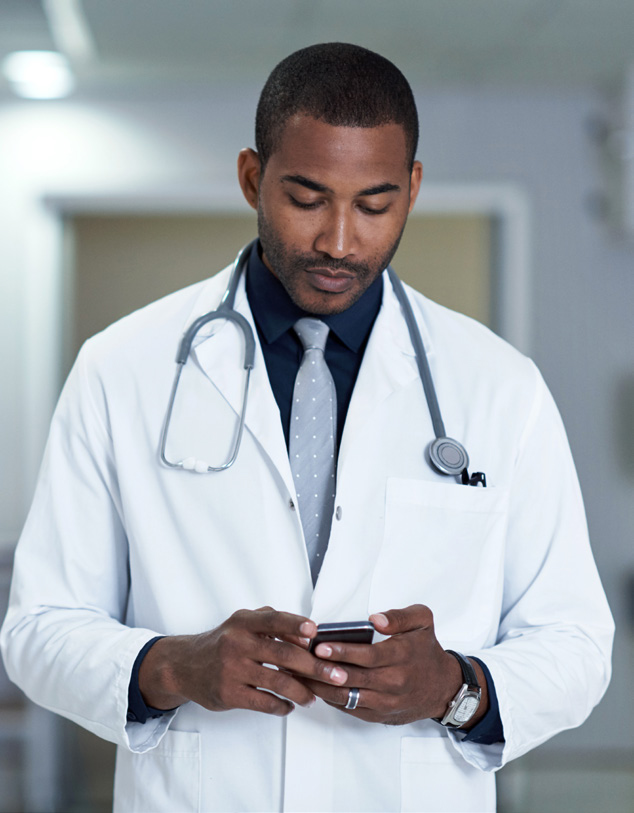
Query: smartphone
{"points": [[346, 632]]}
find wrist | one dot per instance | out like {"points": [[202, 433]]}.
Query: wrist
{"points": [[158, 674], [484, 706], [466, 690], [452, 681]]}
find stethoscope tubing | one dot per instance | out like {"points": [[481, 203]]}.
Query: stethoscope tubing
{"points": [[224, 311], [446, 455], [421, 355]]}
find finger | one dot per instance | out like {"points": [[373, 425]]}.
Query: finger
{"points": [[282, 683], [368, 655], [357, 676], [388, 681], [334, 695], [267, 621], [393, 622], [297, 660], [368, 700], [294, 639], [257, 700], [367, 715]]}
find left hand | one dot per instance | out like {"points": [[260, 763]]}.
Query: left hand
{"points": [[405, 678]]}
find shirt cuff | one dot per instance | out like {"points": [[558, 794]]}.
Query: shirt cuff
{"points": [[489, 730], [138, 711]]}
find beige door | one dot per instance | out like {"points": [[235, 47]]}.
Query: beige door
{"points": [[121, 263]]}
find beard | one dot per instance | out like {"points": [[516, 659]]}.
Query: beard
{"points": [[290, 267]]}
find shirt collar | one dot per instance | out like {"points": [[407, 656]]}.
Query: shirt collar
{"points": [[275, 312]]}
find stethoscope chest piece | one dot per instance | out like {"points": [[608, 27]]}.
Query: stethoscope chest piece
{"points": [[448, 456]]}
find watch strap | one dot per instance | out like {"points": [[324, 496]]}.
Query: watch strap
{"points": [[468, 672], [465, 704]]}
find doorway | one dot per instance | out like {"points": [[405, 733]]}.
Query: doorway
{"points": [[122, 262]]}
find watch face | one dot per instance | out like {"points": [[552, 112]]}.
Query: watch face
{"points": [[466, 709]]}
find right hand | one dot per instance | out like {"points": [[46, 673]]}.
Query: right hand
{"points": [[224, 668]]}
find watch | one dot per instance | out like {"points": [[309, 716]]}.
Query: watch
{"points": [[465, 704]]}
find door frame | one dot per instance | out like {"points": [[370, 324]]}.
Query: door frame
{"points": [[49, 271]]}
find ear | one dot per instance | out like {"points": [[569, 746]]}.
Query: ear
{"points": [[249, 175], [414, 183]]}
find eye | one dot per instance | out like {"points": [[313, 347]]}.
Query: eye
{"points": [[368, 211], [301, 205]]}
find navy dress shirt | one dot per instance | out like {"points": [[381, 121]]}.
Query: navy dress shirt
{"points": [[275, 314]]}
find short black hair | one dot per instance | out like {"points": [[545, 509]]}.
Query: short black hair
{"points": [[341, 84]]}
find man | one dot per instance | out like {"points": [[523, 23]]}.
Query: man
{"points": [[143, 596]]}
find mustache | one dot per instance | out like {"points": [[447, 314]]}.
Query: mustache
{"points": [[307, 263]]}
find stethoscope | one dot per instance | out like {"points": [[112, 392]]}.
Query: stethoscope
{"points": [[446, 455]]}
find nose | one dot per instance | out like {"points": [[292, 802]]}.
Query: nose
{"points": [[337, 236]]}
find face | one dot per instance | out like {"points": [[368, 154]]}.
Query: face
{"points": [[332, 205]]}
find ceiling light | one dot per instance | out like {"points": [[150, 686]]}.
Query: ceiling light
{"points": [[69, 29], [38, 74]]}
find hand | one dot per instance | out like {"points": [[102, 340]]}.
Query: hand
{"points": [[405, 678], [224, 668]]}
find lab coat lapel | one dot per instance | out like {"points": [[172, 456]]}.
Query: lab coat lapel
{"points": [[219, 351], [389, 363]]}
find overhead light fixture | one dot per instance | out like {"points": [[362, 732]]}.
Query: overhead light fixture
{"points": [[38, 74], [69, 29]]}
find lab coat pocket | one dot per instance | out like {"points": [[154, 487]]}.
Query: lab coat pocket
{"points": [[443, 546], [162, 780], [436, 779]]}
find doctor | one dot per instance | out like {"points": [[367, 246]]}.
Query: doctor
{"points": [[143, 596]]}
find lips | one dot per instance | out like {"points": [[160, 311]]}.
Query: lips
{"points": [[329, 272], [331, 281]]}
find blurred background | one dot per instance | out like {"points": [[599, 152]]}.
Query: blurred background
{"points": [[117, 185]]}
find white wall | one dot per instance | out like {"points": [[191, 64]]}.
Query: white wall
{"points": [[582, 330], [582, 283]]}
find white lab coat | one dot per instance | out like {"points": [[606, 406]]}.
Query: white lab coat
{"points": [[118, 549]]}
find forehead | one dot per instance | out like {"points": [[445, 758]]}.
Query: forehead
{"points": [[314, 149]]}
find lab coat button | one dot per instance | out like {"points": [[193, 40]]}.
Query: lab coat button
{"points": [[338, 512], [291, 505]]}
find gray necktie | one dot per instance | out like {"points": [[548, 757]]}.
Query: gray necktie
{"points": [[312, 440]]}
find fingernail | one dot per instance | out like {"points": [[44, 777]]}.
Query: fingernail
{"points": [[310, 703], [323, 651], [305, 641], [338, 675], [306, 627], [379, 620]]}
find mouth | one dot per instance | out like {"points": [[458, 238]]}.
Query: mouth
{"points": [[330, 280], [326, 271]]}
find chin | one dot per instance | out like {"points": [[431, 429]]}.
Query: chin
{"points": [[327, 306], [320, 303]]}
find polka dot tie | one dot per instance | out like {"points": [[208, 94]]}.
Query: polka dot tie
{"points": [[312, 440]]}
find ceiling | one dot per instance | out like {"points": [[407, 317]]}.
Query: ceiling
{"points": [[141, 46]]}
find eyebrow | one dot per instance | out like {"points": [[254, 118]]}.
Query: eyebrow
{"points": [[319, 187]]}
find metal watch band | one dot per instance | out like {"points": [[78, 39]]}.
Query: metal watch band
{"points": [[468, 672]]}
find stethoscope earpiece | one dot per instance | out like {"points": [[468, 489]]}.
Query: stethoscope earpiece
{"points": [[448, 456]]}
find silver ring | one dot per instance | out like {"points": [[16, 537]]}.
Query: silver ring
{"points": [[353, 699]]}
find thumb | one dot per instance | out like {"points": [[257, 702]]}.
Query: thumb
{"points": [[392, 622]]}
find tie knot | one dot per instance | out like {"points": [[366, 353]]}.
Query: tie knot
{"points": [[312, 333]]}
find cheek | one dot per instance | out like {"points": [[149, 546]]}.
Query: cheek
{"points": [[299, 233], [380, 238]]}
